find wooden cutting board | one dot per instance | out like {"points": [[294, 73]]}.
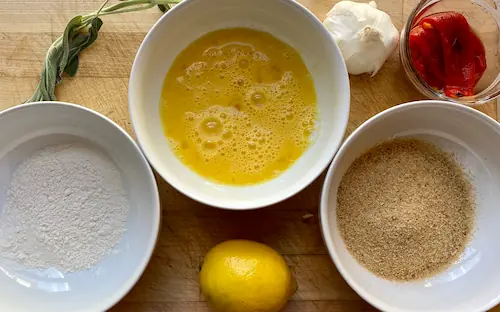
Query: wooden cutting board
{"points": [[189, 229]]}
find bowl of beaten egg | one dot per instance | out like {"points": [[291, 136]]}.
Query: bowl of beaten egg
{"points": [[239, 104]]}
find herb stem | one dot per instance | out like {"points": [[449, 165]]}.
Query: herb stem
{"points": [[102, 7], [127, 10], [124, 7]]}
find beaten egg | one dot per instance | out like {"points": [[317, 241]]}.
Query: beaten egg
{"points": [[238, 106]]}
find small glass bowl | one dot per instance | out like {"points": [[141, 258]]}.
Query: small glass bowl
{"points": [[484, 19]]}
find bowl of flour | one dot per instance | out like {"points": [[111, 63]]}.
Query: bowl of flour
{"points": [[79, 209]]}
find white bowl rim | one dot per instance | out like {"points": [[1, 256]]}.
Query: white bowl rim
{"points": [[109, 302], [246, 206], [325, 230]]}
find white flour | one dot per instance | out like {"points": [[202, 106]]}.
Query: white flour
{"points": [[65, 208]]}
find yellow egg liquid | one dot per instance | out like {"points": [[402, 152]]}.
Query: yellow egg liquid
{"points": [[238, 106]]}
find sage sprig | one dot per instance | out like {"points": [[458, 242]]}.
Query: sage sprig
{"points": [[81, 32]]}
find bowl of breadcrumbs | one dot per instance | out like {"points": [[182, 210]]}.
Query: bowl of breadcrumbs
{"points": [[410, 209]]}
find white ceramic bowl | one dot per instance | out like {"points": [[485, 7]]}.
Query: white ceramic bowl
{"points": [[29, 127], [286, 20], [470, 285]]}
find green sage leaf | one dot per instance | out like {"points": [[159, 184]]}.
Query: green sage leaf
{"points": [[49, 77], [80, 41], [72, 66], [163, 8], [80, 33], [67, 40]]}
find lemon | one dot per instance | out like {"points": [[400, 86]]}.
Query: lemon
{"points": [[245, 276]]}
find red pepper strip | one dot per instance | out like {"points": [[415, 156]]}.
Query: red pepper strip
{"points": [[480, 57], [427, 55], [459, 52]]}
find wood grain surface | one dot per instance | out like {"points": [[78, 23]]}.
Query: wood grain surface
{"points": [[190, 229]]}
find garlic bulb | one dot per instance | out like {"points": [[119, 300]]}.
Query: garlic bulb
{"points": [[365, 35]]}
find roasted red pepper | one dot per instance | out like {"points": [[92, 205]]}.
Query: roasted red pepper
{"points": [[427, 55], [447, 53]]}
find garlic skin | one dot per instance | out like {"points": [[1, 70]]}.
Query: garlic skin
{"points": [[365, 35]]}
